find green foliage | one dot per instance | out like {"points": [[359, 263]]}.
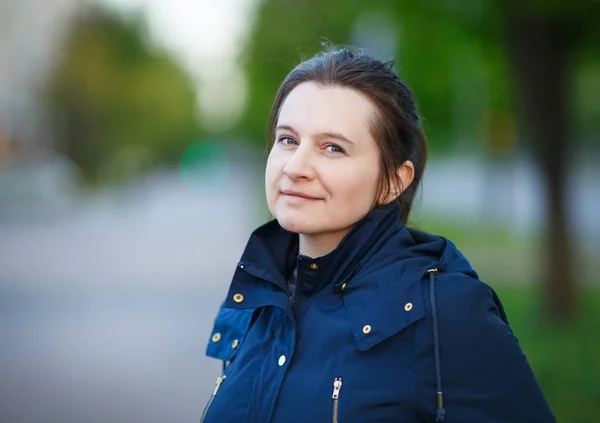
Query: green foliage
{"points": [[121, 105], [451, 54]]}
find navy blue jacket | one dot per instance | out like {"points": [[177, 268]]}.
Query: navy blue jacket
{"points": [[361, 337]]}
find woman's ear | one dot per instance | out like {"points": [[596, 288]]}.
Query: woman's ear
{"points": [[400, 181], [406, 174]]}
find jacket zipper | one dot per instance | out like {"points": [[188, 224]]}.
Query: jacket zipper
{"points": [[220, 380], [337, 386]]}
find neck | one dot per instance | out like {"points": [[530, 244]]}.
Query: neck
{"points": [[318, 245]]}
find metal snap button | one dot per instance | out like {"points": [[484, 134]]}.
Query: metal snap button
{"points": [[367, 329], [408, 307], [235, 344], [216, 337], [238, 298], [281, 361]]}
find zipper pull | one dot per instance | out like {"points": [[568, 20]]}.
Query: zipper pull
{"points": [[220, 380], [292, 292], [337, 385]]}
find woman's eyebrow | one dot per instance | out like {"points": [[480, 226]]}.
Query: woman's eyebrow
{"points": [[333, 135], [286, 128]]}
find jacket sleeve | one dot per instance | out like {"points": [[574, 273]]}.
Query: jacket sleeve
{"points": [[485, 376]]}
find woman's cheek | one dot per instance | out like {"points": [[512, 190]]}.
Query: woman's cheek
{"points": [[359, 190]]}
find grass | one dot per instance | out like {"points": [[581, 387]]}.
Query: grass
{"points": [[503, 254], [566, 358]]}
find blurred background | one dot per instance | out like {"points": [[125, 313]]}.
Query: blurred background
{"points": [[131, 174]]}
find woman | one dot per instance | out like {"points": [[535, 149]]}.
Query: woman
{"points": [[338, 312]]}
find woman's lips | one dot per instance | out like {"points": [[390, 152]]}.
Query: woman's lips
{"points": [[299, 195]]}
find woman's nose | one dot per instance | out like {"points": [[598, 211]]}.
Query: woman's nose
{"points": [[299, 164]]}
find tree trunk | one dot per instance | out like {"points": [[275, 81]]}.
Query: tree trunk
{"points": [[538, 49]]}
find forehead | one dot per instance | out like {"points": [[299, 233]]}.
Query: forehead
{"points": [[312, 108]]}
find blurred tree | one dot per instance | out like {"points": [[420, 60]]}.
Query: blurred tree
{"points": [[120, 105], [541, 39], [461, 59]]}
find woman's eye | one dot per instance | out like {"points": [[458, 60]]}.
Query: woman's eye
{"points": [[332, 148], [286, 141]]}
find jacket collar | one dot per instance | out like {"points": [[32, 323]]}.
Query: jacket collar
{"points": [[380, 265], [271, 251]]}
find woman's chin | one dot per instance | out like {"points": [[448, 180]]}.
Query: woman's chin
{"points": [[296, 224]]}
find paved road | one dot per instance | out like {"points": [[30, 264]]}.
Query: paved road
{"points": [[105, 311]]}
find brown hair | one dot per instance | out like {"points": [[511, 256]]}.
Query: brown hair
{"points": [[396, 127]]}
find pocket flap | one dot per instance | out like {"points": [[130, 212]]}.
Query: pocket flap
{"points": [[376, 314], [229, 331]]}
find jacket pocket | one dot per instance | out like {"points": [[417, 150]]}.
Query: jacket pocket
{"points": [[220, 380], [335, 398]]}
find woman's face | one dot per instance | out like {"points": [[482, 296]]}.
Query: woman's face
{"points": [[323, 170]]}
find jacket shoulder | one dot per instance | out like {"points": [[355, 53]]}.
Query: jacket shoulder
{"points": [[463, 297]]}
